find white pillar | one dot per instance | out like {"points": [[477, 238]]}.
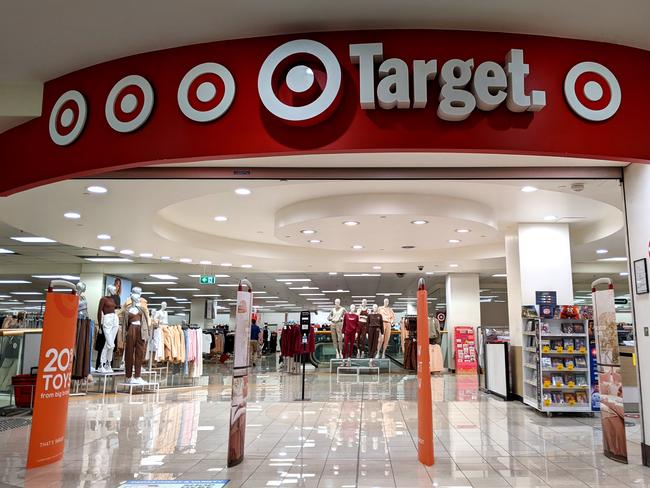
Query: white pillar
{"points": [[513, 271], [94, 291], [197, 312], [636, 178], [545, 262], [463, 305]]}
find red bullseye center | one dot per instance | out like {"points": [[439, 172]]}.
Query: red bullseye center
{"points": [[123, 96], [62, 129], [201, 84], [591, 84]]}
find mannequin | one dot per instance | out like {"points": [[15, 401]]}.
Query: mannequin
{"points": [[375, 325], [160, 317], [136, 319], [336, 319], [362, 333], [108, 318], [83, 304], [350, 326], [388, 317], [159, 321]]}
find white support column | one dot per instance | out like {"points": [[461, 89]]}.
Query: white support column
{"points": [[463, 304], [197, 312], [545, 262], [513, 271], [637, 204], [94, 291]]}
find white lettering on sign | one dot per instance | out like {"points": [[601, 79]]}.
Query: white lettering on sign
{"points": [[490, 84], [56, 372]]}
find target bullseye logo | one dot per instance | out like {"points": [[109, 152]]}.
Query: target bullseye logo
{"points": [[67, 118], [300, 81], [592, 91], [206, 92], [129, 103]]}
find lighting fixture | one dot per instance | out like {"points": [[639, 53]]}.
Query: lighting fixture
{"points": [[550, 218], [307, 231], [225, 265], [288, 283], [25, 292], [248, 266], [389, 294], [602, 251], [32, 240], [351, 223], [429, 272], [528, 189], [96, 189], [205, 263], [184, 289], [376, 267], [259, 293], [613, 259], [163, 276], [242, 191], [107, 248], [228, 284], [336, 291], [158, 283], [363, 296], [357, 246], [72, 215], [57, 277], [453, 241], [419, 222], [127, 251], [463, 231], [332, 273], [205, 296], [185, 260], [361, 275], [165, 258], [499, 275], [624, 273], [109, 260], [315, 241], [219, 276], [146, 255], [292, 279], [6, 251], [453, 266], [311, 294], [220, 218], [303, 288], [103, 237], [34, 301], [147, 293]]}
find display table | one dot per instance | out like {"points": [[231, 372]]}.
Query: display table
{"points": [[361, 364], [105, 377], [145, 387]]}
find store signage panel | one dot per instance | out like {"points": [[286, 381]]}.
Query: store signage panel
{"points": [[207, 279], [365, 91]]}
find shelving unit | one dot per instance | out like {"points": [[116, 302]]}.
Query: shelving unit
{"points": [[556, 365]]}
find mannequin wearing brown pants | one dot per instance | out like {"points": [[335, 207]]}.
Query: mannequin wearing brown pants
{"points": [[135, 349]]}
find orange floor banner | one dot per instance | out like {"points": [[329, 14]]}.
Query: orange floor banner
{"points": [[50, 416], [425, 413]]}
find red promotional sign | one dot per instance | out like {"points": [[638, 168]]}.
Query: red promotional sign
{"points": [[465, 348], [421, 91], [47, 437]]}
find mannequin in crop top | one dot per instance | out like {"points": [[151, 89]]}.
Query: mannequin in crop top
{"points": [[136, 321], [388, 317], [107, 317]]}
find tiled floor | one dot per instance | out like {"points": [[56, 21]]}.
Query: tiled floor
{"points": [[350, 435]]}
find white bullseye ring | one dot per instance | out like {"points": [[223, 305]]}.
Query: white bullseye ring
{"points": [[324, 100], [206, 92], [593, 91], [66, 118], [143, 111], [300, 78]]}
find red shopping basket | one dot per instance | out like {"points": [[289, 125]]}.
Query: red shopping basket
{"points": [[24, 386]]}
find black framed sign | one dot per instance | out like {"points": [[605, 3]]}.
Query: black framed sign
{"points": [[641, 276]]}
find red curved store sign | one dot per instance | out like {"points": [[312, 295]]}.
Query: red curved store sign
{"points": [[360, 91]]}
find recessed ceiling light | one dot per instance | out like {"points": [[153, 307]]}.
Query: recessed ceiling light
{"points": [[550, 217], [165, 258], [499, 275], [624, 273], [292, 279], [336, 291], [72, 215], [246, 265], [220, 218], [602, 251], [54, 277], [184, 289], [163, 276], [206, 263], [103, 237], [225, 264], [307, 231], [453, 241], [14, 282], [107, 248], [429, 272], [242, 191], [463, 231], [26, 293], [146, 255], [127, 251], [419, 222], [159, 283], [32, 240], [361, 275], [288, 283], [332, 273], [613, 259], [351, 223], [357, 246], [109, 260], [453, 266], [376, 267], [315, 241], [96, 189], [528, 189], [185, 260], [6, 251]]}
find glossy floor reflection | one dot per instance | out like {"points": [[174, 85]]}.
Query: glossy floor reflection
{"points": [[350, 435]]}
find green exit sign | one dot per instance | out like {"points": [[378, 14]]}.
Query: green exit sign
{"points": [[207, 280]]}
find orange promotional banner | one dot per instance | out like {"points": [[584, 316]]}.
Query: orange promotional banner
{"points": [[425, 414], [53, 382]]}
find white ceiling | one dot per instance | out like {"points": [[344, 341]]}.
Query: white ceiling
{"points": [[46, 39]]}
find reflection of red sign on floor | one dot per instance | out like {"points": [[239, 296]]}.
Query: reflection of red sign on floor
{"points": [[465, 349]]}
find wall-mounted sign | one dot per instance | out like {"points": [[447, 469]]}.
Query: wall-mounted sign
{"points": [[207, 279]]}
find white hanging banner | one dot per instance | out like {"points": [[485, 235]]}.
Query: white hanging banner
{"points": [[237, 436], [609, 372]]}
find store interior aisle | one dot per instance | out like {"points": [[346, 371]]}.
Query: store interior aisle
{"points": [[349, 435]]}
